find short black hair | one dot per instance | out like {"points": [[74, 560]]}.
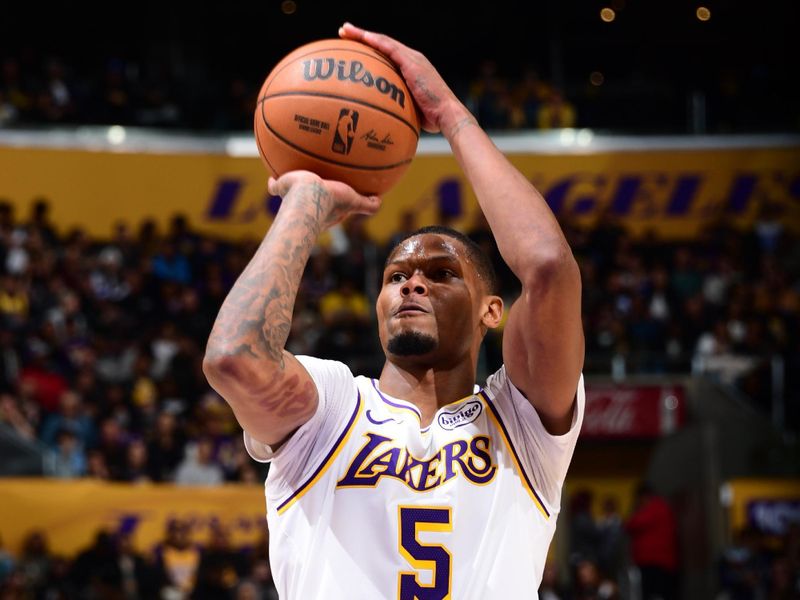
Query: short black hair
{"points": [[483, 264]]}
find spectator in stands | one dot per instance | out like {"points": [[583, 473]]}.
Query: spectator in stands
{"points": [[13, 416], [41, 222], [221, 567], [170, 265], [96, 570], [529, 94], [489, 97], [198, 466], [555, 112], [69, 417], [744, 567], [344, 306], [165, 447], [140, 577], [112, 444], [652, 528], [16, 90], [56, 102], [70, 459], [14, 301], [7, 563], [40, 378], [590, 584], [612, 542], [178, 558], [136, 470], [584, 537], [96, 467], [35, 561], [8, 112], [107, 280]]}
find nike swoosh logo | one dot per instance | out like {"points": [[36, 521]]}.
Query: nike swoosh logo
{"points": [[376, 422]]}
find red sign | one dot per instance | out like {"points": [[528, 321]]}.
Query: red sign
{"points": [[633, 411]]}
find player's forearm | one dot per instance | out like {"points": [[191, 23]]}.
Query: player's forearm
{"points": [[254, 321], [527, 233]]}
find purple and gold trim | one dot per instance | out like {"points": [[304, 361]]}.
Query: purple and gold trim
{"points": [[395, 404], [323, 466], [507, 439]]}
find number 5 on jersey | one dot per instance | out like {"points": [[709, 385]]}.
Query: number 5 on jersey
{"points": [[431, 557]]}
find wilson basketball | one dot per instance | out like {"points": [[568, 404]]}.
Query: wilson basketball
{"points": [[340, 109]]}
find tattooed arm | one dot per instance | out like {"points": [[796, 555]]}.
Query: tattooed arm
{"points": [[268, 389]]}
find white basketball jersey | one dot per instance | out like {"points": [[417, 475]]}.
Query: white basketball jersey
{"points": [[363, 503]]}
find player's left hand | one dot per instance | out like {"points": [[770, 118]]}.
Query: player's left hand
{"points": [[439, 106]]}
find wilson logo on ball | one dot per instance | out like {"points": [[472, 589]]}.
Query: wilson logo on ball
{"points": [[345, 131], [352, 70]]}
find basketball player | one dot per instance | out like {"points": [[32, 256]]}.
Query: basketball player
{"points": [[418, 484]]}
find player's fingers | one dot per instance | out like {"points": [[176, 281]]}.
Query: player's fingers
{"points": [[368, 205], [389, 46], [272, 186]]}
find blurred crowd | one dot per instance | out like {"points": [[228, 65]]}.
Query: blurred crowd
{"points": [[111, 568], [725, 304], [637, 556], [101, 341], [612, 556], [36, 90], [758, 565], [49, 90]]}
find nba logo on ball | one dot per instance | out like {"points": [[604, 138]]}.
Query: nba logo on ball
{"points": [[340, 109], [345, 131]]}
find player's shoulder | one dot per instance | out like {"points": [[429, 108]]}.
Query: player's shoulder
{"points": [[369, 389], [316, 363], [498, 385]]}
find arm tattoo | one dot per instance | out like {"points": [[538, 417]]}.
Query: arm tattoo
{"points": [[423, 87], [255, 319], [465, 122]]}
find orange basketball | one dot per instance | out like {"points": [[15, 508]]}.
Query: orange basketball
{"points": [[340, 109]]}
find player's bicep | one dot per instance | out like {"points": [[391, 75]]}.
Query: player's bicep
{"points": [[543, 348], [269, 402]]}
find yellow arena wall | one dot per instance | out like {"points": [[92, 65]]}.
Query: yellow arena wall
{"points": [[72, 512], [674, 192]]}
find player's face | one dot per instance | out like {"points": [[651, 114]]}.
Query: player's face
{"points": [[429, 303]]}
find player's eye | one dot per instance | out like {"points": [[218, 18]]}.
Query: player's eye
{"points": [[397, 277], [443, 274]]}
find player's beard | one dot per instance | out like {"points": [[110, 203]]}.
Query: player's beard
{"points": [[411, 343]]}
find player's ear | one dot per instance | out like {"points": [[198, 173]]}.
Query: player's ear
{"points": [[492, 311]]}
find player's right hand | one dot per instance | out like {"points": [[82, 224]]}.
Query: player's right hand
{"points": [[334, 200], [441, 110]]}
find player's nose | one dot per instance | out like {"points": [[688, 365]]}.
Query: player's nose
{"points": [[416, 284]]}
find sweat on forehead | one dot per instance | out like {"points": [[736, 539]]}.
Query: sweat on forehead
{"points": [[425, 243], [453, 242]]}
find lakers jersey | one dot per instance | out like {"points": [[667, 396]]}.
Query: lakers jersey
{"points": [[365, 503]]}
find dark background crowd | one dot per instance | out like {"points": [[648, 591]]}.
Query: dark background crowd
{"points": [[614, 556], [621, 65]]}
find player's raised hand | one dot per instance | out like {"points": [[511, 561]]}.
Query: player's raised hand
{"points": [[440, 107], [334, 200]]}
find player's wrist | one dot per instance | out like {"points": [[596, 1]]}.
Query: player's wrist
{"points": [[454, 120]]}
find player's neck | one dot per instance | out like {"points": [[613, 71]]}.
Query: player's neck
{"points": [[426, 387]]}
